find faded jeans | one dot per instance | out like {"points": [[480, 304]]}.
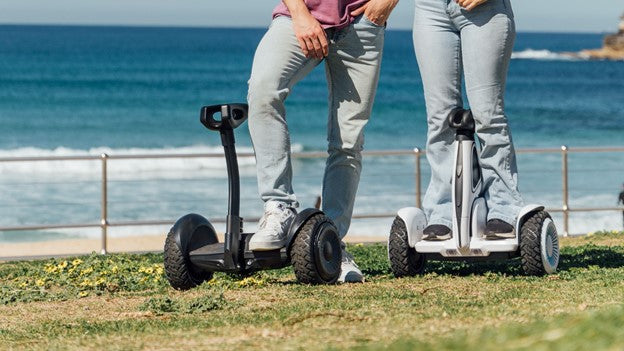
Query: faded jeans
{"points": [[352, 69], [447, 41]]}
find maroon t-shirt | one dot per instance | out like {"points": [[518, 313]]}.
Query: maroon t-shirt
{"points": [[329, 13]]}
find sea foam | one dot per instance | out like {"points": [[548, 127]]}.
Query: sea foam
{"points": [[209, 158], [545, 55]]}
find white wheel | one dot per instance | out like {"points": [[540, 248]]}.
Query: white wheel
{"points": [[404, 260], [539, 244]]}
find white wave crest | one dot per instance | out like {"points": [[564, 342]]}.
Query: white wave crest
{"points": [[545, 55], [126, 167]]}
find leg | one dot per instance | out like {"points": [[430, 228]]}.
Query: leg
{"points": [[487, 40], [438, 51], [352, 71], [278, 65]]}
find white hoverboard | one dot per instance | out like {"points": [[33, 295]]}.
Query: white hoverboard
{"points": [[535, 241]]}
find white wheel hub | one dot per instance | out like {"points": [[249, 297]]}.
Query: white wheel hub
{"points": [[549, 246]]}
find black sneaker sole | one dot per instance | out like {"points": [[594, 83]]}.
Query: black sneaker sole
{"points": [[500, 236], [437, 237]]}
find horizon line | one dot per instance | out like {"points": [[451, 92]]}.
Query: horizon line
{"points": [[181, 26]]}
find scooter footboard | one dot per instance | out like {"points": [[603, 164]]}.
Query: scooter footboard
{"points": [[477, 248]]}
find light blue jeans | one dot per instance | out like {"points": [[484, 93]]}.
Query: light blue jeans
{"points": [[352, 69], [449, 40]]}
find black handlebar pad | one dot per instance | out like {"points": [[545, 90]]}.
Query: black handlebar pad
{"points": [[462, 120], [232, 116]]}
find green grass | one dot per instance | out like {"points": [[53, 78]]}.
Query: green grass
{"points": [[90, 304], [596, 330]]}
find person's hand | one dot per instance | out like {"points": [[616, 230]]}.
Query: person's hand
{"points": [[470, 4], [311, 35], [377, 11]]}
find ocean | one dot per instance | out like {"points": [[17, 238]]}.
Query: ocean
{"points": [[72, 90]]}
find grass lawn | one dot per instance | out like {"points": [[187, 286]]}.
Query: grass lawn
{"points": [[123, 302]]}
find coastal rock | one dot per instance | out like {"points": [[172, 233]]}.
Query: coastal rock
{"points": [[612, 49]]}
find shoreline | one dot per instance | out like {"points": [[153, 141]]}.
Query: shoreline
{"points": [[28, 251]]}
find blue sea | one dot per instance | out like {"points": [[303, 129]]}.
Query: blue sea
{"points": [[71, 90]]}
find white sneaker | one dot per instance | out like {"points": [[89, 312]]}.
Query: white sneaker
{"points": [[273, 228], [349, 271]]}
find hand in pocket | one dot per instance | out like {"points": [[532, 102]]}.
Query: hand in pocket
{"points": [[377, 11], [470, 4]]}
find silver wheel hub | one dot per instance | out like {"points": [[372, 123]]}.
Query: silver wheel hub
{"points": [[549, 246]]}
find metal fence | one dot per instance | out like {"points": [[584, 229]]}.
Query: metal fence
{"points": [[418, 155]]}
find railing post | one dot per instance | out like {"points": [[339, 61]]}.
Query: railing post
{"points": [[564, 175], [418, 178], [104, 205]]}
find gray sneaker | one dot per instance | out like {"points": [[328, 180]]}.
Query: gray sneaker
{"points": [[349, 271], [273, 227]]}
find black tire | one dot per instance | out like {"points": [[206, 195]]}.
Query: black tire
{"points": [[316, 253], [190, 232], [404, 260], [536, 259]]}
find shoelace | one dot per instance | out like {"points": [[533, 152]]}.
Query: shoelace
{"points": [[348, 258], [274, 218]]}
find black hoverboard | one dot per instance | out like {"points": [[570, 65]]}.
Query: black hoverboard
{"points": [[193, 251]]}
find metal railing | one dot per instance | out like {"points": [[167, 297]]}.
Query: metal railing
{"points": [[104, 158]]}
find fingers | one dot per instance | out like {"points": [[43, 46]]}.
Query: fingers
{"points": [[317, 44], [311, 37], [304, 46], [360, 10], [379, 12], [314, 45], [318, 49], [472, 5], [469, 4], [324, 44], [309, 52]]}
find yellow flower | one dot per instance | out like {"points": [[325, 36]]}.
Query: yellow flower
{"points": [[86, 271], [49, 268], [40, 282], [83, 294], [63, 265], [23, 285], [76, 262], [115, 269], [100, 281], [86, 282], [149, 270], [251, 281], [160, 270]]}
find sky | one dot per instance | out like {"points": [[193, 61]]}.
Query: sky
{"points": [[531, 15]]}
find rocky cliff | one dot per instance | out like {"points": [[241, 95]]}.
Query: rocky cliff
{"points": [[613, 46]]}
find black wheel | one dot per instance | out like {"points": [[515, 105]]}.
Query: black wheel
{"points": [[316, 253], [539, 244], [404, 260], [187, 234]]}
